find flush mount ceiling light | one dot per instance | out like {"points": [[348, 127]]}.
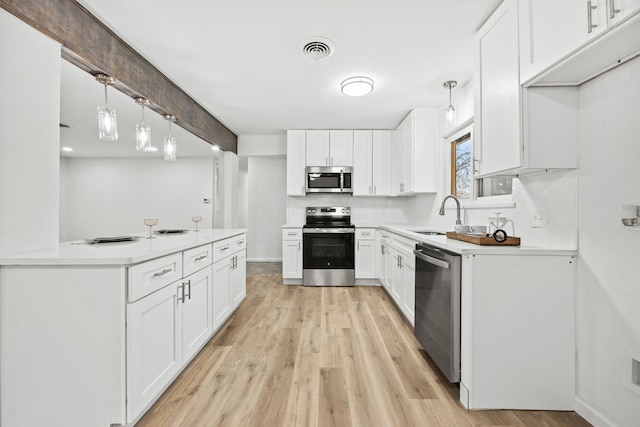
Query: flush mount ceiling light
{"points": [[169, 141], [357, 86], [143, 130], [450, 112], [107, 124]]}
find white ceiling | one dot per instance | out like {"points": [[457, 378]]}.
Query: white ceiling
{"points": [[241, 59]]}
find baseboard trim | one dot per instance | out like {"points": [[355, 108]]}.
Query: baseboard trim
{"points": [[593, 416], [264, 259]]}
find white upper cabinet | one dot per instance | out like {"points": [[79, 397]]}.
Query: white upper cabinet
{"points": [[372, 162], [518, 130], [571, 41], [417, 152], [329, 148], [551, 29], [619, 10], [341, 148], [498, 100], [295, 162], [317, 147]]}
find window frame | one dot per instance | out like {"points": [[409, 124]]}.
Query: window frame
{"points": [[499, 201]]}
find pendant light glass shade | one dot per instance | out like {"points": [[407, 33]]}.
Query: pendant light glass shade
{"points": [[169, 141], [450, 112], [143, 130], [107, 121]]}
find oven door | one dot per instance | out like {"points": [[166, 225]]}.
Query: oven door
{"points": [[328, 256]]}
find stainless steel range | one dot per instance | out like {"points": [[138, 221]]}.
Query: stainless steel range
{"points": [[328, 247]]}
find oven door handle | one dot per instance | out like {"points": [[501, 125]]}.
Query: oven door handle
{"points": [[431, 260], [329, 230]]}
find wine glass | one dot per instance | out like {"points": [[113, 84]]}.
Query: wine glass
{"points": [[196, 219], [150, 222]]}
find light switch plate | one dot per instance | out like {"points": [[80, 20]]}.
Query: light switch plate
{"points": [[539, 216]]}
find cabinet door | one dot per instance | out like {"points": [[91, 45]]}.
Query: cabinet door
{"points": [[197, 322], [499, 92], [317, 148], [409, 296], [365, 259], [551, 29], [221, 293], [381, 261], [341, 148], [380, 162], [154, 346], [362, 162], [292, 259], [238, 278], [397, 278], [618, 10], [296, 162]]}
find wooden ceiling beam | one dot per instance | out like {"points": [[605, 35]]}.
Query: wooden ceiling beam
{"points": [[90, 45]]}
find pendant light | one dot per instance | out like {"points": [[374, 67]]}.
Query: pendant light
{"points": [[143, 130], [169, 141], [107, 124], [450, 112]]}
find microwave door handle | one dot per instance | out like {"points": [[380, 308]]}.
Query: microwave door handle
{"points": [[342, 181]]}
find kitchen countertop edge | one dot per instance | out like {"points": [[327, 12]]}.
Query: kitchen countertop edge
{"points": [[115, 254]]}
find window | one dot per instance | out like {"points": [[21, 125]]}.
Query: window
{"points": [[463, 184]]}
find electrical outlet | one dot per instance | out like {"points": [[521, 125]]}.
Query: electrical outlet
{"points": [[539, 218]]}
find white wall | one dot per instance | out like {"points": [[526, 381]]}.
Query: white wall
{"points": [[29, 141], [267, 203], [112, 196], [608, 292]]}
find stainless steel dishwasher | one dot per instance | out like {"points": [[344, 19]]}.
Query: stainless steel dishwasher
{"points": [[437, 320]]}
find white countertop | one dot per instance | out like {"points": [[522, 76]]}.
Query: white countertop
{"points": [[459, 247], [80, 253]]}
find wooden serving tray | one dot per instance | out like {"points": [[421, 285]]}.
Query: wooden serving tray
{"points": [[484, 241]]}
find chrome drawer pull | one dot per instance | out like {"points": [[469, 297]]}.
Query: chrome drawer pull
{"points": [[162, 273], [200, 258]]}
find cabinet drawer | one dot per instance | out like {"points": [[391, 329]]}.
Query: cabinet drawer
{"points": [[239, 243], [222, 249], [365, 233], [196, 259], [150, 276], [292, 234]]}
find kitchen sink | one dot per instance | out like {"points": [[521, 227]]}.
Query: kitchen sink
{"points": [[431, 233]]}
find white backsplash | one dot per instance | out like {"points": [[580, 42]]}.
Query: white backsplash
{"points": [[553, 191]]}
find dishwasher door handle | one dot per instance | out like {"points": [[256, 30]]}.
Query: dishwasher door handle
{"points": [[431, 260]]}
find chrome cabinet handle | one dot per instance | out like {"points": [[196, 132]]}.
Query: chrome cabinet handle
{"points": [[590, 24], [189, 284], [375, 191], [162, 273], [226, 248], [292, 234], [181, 287], [200, 258], [358, 245], [612, 9], [299, 246]]}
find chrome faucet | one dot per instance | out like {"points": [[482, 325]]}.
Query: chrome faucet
{"points": [[458, 207]]}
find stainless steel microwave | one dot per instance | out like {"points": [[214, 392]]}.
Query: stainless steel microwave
{"points": [[329, 179]]}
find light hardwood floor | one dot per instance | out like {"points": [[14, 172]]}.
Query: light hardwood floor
{"points": [[296, 356]]}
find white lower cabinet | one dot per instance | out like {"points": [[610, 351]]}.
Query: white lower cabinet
{"points": [[154, 353], [165, 330], [365, 259], [292, 254], [197, 312], [238, 278], [396, 271], [221, 291]]}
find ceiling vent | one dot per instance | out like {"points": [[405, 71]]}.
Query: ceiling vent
{"points": [[318, 48]]}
